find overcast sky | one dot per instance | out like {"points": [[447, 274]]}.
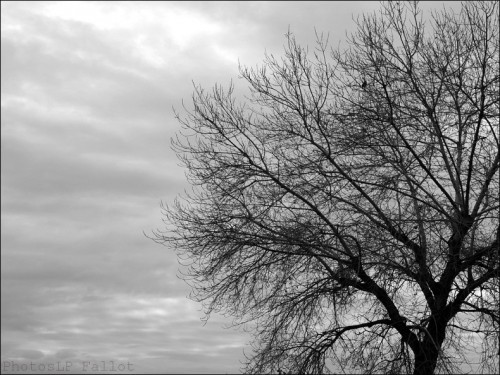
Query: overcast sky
{"points": [[87, 96]]}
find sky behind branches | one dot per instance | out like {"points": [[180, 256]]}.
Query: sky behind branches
{"points": [[87, 95]]}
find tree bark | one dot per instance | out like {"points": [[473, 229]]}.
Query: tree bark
{"points": [[426, 357], [426, 360]]}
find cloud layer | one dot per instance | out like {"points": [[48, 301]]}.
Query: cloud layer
{"points": [[87, 96]]}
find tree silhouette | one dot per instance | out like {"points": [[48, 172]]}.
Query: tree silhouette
{"points": [[355, 227]]}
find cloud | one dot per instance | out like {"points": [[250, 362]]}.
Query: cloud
{"points": [[87, 96], [121, 327]]}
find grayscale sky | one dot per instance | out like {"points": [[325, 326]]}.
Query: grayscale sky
{"points": [[87, 96]]}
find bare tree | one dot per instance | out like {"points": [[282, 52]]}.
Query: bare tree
{"points": [[348, 207]]}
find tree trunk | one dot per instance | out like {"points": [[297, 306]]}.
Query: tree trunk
{"points": [[425, 361]]}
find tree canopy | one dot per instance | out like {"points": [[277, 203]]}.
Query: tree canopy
{"points": [[348, 206]]}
